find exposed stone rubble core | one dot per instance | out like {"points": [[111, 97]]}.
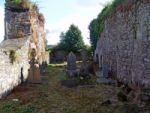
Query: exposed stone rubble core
{"points": [[124, 44], [24, 30]]}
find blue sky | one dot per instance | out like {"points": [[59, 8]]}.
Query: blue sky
{"points": [[59, 14]]}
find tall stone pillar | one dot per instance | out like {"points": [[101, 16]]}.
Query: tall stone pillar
{"points": [[17, 20]]}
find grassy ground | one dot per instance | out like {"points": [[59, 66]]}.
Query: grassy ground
{"points": [[51, 97]]}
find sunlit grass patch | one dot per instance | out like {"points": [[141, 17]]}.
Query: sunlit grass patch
{"points": [[62, 64], [58, 64]]}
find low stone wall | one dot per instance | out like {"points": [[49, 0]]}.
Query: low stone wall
{"points": [[124, 44], [10, 73]]}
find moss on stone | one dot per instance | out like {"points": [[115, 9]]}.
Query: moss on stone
{"points": [[12, 56]]}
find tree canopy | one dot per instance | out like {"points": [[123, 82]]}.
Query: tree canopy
{"points": [[72, 40], [93, 27]]}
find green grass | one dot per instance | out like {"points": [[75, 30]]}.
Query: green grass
{"points": [[15, 107], [51, 97]]}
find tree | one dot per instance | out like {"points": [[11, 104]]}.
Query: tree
{"points": [[72, 40], [62, 44], [93, 27]]}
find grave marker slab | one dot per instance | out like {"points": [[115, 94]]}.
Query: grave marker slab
{"points": [[71, 65]]}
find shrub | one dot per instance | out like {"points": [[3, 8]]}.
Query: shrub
{"points": [[12, 56], [24, 4], [17, 1], [35, 7]]}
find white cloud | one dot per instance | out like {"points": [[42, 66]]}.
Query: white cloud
{"points": [[1, 24], [84, 12], [53, 38], [53, 34], [91, 3], [63, 25], [86, 4], [79, 20]]}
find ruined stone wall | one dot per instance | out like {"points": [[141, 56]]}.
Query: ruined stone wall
{"points": [[124, 44], [38, 36], [24, 30], [17, 22], [10, 73], [22, 22]]}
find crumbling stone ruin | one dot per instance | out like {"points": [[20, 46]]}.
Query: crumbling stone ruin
{"points": [[124, 45], [24, 31]]}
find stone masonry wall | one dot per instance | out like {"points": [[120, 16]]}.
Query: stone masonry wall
{"points": [[17, 22], [24, 30], [10, 73], [124, 45]]}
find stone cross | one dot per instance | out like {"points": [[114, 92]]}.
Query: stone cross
{"points": [[71, 64]]}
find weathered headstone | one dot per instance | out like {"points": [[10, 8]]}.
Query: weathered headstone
{"points": [[83, 55], [102, 75], [34, 71], [71, 65], [84, 66], [43, 68], [105, 71]]}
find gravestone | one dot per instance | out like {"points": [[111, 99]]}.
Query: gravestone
{"points": [[105, 70], [84, 65], [102, 75], [83, 55], [71, 65], [34, 71], [43, 68]]}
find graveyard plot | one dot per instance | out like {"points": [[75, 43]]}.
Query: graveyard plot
{"points": [[51, 97]]}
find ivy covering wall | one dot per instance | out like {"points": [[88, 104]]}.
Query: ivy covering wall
{"points": [[96, 26]]}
